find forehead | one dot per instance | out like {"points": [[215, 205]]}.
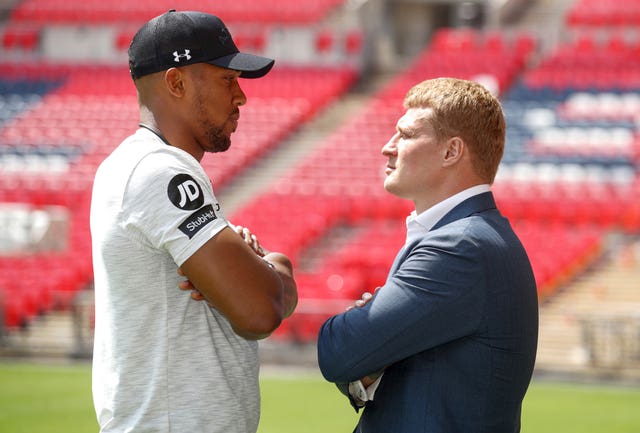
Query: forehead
{"points": [[415, 119]]}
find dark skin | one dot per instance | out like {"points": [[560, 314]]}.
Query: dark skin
{"points": [[196, 108], [251, 240]]}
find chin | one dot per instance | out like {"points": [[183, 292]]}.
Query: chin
{"points": [[219, 146], [224, 147], [388, 186]]}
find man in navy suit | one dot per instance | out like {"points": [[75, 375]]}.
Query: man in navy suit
{"points": [[448, 344]]}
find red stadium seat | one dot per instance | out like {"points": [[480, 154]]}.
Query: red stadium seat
{"points": [[24, 38], [353, 42], [324, 41]]}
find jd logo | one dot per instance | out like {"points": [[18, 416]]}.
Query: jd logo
{"points": [[185, 193]]}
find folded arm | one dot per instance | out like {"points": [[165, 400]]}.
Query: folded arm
{"points": [[255, 293], [433, 297]]}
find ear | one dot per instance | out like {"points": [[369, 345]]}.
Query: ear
{"points": [[174, 81], [454, 150]]}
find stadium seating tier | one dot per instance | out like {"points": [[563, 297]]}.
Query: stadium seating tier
{"points": [[569, 175]]}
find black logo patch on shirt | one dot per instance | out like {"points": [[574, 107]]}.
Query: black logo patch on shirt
{"points": [[185, 193], [197, 220]]}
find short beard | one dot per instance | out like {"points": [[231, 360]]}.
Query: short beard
{"points": [[217, 141]]}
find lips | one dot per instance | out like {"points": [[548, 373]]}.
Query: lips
{"points": [[234, 119], [389, 169]]}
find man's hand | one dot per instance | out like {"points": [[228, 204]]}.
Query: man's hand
{"points": [[249, 238], [364, 300], [368, 380], [186, 285]]}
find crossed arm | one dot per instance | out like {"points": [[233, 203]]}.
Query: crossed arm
{"points": [[253, 288], [427, 302]]}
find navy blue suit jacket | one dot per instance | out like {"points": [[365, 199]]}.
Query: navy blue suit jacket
{"points": [[455, 327]]}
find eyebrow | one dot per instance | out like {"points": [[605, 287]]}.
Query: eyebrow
{"points": [[406, 130], [226, 72]]}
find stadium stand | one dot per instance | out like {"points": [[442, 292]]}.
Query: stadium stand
{"points": [[76, 124], [568, 181], [601, 13], [565, 180], [339, 184], [95, 12], [58, 120]]}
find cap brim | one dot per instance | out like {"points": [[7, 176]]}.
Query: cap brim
{"points": [[250, 65]]}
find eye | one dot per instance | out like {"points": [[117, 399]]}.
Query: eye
{"points": [[232, 81], [404, 133]]}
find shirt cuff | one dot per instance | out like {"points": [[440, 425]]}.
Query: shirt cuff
{"points": [[361, 394]]}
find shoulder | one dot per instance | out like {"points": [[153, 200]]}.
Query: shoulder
{"points": [[159, 164], [145, 146], [148, 169], [465, 236]]}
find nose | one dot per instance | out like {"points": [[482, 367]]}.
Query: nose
{"points": [[238, 95], [390, 149]]}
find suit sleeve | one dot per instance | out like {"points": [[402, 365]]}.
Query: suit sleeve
{"points": [[436, 295]]}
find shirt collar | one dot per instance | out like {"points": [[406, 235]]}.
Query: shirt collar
{"points": [[417, 225]]}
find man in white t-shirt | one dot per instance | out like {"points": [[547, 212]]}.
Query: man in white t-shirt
{"points": [[163, 361]]}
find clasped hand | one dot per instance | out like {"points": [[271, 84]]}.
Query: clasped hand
{"points": [[248, 237]]}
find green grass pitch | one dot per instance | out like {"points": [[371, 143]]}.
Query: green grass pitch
{"points": [[38, 398]]}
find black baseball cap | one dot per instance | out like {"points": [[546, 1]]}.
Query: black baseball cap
{"points": [[184, 38]]}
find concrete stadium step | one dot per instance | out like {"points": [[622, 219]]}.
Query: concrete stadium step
{"points": [[48, 335], [605, 301]]}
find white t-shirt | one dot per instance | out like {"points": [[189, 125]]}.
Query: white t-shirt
{"points": [[162, 362]]}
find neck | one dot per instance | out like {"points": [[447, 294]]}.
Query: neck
{"points": [[155, 131]]}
